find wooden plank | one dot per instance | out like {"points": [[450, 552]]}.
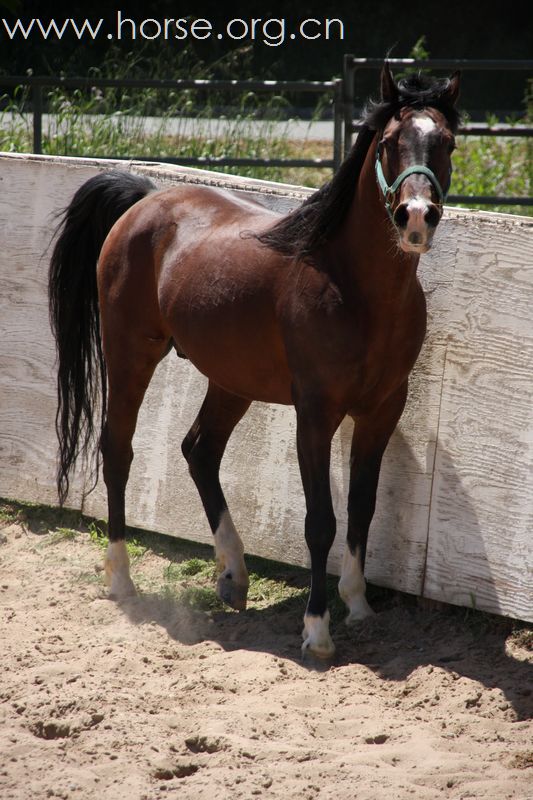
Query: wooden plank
{"points": [[28, 195], [479, 550]]}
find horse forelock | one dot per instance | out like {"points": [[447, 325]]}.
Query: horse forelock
{"points": [[418, 92]]}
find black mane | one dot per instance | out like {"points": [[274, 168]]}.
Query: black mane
{"points": [[304, 230]]}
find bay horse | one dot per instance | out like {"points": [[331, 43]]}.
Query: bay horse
{"points": [[321, 309]]}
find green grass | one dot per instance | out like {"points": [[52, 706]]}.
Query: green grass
{"points": [[493, 166], [193, 581], [482, 165], [39, 518], [63, 535], [191, 572], [85, 124], [98, 537]]}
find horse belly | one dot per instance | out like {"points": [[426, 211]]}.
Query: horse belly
{"points": [[230, 333]]}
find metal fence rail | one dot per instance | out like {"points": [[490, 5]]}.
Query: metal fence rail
{"points": [[37, 84], [341, 90]]}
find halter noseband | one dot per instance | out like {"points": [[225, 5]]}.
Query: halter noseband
{"points": [[389, 192]]}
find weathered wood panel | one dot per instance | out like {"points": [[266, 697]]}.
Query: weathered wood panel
{"points": [[480, 551], [260, 471]]}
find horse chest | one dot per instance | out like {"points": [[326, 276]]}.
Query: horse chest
{"points": [[388, 354], [357, 351]]}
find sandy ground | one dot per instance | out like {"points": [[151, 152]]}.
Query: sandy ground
{"points": [[155, 699]]}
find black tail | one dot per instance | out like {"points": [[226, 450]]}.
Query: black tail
{"points": [[74, 314]]}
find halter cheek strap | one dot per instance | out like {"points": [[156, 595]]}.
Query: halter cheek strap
{"points": [[389, 192]]}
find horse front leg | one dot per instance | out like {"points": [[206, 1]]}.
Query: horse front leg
{"points": [[316, 425], [370, 437]]}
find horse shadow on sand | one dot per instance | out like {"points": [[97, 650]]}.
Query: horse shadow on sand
{"points": [[405, 633]]}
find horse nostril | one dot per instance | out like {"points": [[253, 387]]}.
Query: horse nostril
{"points": [[401, 216], [432, 216], [415, 237]]}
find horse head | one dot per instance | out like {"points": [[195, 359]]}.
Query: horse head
{"points": [[413, 155]]}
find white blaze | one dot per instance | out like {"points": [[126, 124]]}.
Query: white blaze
{"points": [[424, 124]]}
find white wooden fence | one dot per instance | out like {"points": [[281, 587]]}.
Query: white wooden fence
{"points": [[454, 517]]}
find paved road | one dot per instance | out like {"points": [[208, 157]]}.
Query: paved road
{"points": [[184, 126]]}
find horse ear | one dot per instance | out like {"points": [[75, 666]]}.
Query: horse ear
{"points": [[389, 90], [452, 92]]}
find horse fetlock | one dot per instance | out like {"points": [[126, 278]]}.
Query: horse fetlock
{"points": [[357, 604], [352, 587], [117, 571], [232, 585], [316, 636], [358, 610]]}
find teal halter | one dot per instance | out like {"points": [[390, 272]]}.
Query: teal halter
{"points": [[389, 192]]}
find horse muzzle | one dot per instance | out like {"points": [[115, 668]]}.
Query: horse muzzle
{"points": [[416, 220]]}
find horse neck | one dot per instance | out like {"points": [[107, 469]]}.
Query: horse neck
{"points": [[365, 248]]}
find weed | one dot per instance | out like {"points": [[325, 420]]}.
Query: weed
{"points": [[495, 167], [38, 517], [97, 535], [9, 512], [202, 598], [489, 166], [193, 566], [63, 535], [135, 548], [272, 584], [129, 123], [264, 591]]}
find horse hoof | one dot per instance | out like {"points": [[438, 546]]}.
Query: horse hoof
{"points": [[117, 571], [117, 578], [121, 587], [323, 651], [358, 612], [231, 593], [316, 636]]}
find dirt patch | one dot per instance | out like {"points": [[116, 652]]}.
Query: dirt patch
{"points": [[155, 697]]}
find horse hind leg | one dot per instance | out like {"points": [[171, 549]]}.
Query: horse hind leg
{"points": [[203, 448], [130, 370]]}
